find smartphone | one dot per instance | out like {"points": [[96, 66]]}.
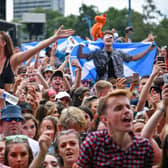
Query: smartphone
{"points": [[165, 78], [131, 79], [161, 58]]}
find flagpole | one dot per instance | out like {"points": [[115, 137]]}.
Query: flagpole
{"points": [[129, 12]]}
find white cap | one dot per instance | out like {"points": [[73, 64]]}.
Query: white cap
{"points": [[61, 95]]}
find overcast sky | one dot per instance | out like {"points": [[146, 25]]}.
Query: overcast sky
{"points": [[72, 6]]}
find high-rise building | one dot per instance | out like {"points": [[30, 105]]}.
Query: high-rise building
{"points": [[3, 9], [24, 6]]}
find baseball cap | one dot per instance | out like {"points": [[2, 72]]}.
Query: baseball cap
{"points": [[48, 68], [57, 73], [11, 111], [25, 106], [61, 95]]}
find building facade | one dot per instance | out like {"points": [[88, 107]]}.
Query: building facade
{"points": [[25, 6]]}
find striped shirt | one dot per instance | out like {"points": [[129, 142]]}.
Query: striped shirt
{"points": [[99, 150]]}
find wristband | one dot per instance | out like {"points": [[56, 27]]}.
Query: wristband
{"points": [[163, 110]]}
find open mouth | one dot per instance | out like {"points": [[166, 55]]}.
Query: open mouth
{"points": [[127, 119], [69, 154]]}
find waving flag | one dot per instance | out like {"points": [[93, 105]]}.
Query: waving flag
{"points": [[62, 44], [142, 66]]}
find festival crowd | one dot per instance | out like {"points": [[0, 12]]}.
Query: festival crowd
{"points": [[59, 122]]}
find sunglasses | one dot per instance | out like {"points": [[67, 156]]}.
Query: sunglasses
{"points": [[11, 119], [16, 138]]}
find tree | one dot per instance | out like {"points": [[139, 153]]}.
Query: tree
{"points": [[82, 26], [150, 11], [161, 32]]}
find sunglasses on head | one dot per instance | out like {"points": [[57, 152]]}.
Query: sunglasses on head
{"points": [[11, 119], [16, 138]]}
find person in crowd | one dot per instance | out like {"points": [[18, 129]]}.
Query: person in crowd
{"points": [[30, 126], [26, 108], [72, 118], [32, 99], [108, 61], [44, 159], [164, 52], [64, 98], [91, 102], [87, 113], [116, 146], [102, 87], [10, 60], [57, 80], [47, 73], [150, 127], [67, 147], [79, 94], [41, 112], [51, 108], [49, 124], [51, 161], [2, 149], [18, 152], [11, 121]]}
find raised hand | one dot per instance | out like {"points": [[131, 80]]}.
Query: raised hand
{"points": [[120, 83], [45, 142], [165, 95], [76, 63], [60, 33]]}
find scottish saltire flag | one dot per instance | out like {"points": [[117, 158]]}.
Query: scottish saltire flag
{"points": [[142, 66], [62, 44]]}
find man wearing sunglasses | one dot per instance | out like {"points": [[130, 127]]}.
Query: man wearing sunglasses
{"points": [[11, 121], [109, 61]]}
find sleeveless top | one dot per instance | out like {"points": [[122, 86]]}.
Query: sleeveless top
{"points": [[7, 75]]}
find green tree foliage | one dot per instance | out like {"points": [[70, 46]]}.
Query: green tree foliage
{"points": [[150, 11], [161, 32], [117, 19], [86, 12]]}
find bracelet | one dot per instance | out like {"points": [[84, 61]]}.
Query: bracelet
{"points": [[163, 110]]}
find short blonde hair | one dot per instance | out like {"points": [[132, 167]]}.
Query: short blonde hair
{"points": [[101, 85], [103, 101], [72, 115]]}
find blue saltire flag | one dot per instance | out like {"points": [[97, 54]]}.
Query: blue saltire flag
{"points": [[61, 44], [142, 66]]}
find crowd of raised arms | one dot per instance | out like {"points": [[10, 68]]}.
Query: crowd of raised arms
{"points": [[61, 122]]}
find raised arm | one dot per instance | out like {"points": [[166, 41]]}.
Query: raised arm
{"points": [[152, 123], [52, 55], [78, 74], [146, 88], [44, 142], [156, 117], [20, 57], [142, 54], [63, 65], [80, 53]]}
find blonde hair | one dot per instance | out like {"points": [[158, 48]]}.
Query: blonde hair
{"points": [[101, 85], [50, 106], [103, 101], [72, 115]]}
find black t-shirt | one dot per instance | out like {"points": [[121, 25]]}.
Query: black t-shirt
{"points": [[111, 72]]}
